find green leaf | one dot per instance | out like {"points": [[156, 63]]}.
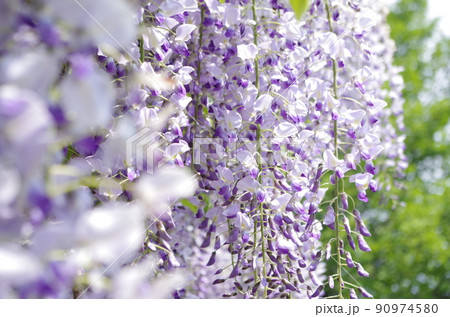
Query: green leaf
{"points": [[207, 201], [299, 7], [186, 203]]}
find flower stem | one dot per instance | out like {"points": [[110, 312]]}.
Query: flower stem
{"points": [[197, 95], [231, 244], [199, 63], [258, 140], [141, 50], [255, 41], [261, 208], [336, 153]]}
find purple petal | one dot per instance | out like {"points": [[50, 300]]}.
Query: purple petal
{"points": [[363, 244], [364, 292], [344, 201], [349, 260], [361, 270], [329, 217], [328, 251], [351, 242], [331, 282], [362, 196], [232, 210], [235, 272], [234, 234], [212, 259], [207, 241], [217, 244], [317, 292], [346, 223]]}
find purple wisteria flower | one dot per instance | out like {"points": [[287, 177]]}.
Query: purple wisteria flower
{"points": [[191, 149]]}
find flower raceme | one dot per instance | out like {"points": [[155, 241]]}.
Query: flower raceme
{"points": [[247, 123]]}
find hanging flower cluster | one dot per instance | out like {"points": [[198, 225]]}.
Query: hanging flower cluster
{"points": [[191, 149]]}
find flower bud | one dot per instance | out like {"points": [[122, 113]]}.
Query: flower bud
{"points": [[212, 259], [363, 244], [344, 201]]}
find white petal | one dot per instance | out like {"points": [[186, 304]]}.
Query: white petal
{"points": [[375, 151], [306, 134], [369, 19], [212, 6], [233, 119], [157, 81], [263, 103], [285, 129], [323, 137], [171, 7], [182, 102], [300, 108], [361, 180], [153, 37], [231, 15], [328, 40], [378, 105], [316, 66], [331, 102], [331, 161], [225, 174], [245, 158], [175, 149], [248, 51], [281, 202], [354, 117], [184, 32], [248, 184]]}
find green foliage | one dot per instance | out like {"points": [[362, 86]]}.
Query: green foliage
{"points": [[411, 255], [299, 7], [186, 203]]}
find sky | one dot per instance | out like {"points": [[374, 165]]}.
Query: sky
{"points": [[440, 9]]}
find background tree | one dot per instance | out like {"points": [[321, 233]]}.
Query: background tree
{"points": [[411, 256]]}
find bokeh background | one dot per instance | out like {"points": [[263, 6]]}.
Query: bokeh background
{"points": [[410, 255]]}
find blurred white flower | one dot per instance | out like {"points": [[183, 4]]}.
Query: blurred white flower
{"points": [[9, 186], [112, 152], [160, 190], [107, 233], [87, 98], [18, 266], [104, 22], [36, 70], [28, 127]]}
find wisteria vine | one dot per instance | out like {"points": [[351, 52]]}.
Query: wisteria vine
{"points": [[192, 149]]}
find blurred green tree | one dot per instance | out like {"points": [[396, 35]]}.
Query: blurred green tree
{"points": [[410, 242]]}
